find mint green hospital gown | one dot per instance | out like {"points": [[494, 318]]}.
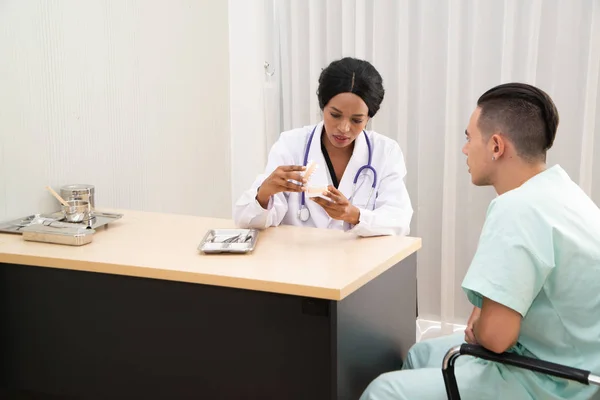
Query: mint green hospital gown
{"points": [[538, 254]]}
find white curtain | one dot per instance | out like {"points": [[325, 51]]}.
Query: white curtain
{"points": [[436, 58]]}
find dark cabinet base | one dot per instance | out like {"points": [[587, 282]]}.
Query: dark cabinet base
{"points": [[97, 336]]}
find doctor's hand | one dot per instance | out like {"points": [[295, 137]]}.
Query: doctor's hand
{"points": [[339, 207], [278, 182]]}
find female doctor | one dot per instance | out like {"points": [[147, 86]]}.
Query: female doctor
{"points": [[363, 170]]}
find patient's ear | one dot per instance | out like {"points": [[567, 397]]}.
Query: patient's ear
{"points": [[497, 144]]}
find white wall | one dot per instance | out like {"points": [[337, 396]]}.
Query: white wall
{"points": [[132, 96], [246, 53]]}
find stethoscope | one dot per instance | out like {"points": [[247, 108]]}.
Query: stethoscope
{"points": [[304, 212]]}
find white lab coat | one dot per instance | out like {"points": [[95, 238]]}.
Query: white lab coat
{"points": [[389, 211]]}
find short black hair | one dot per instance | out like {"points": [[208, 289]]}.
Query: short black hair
{"points": [[524, 113], [351, 75]]}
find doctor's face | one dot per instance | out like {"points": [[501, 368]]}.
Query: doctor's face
{"points": [[345, 117], [479, 156]]}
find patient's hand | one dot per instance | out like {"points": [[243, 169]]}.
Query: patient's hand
{"points": [[469, 334]]}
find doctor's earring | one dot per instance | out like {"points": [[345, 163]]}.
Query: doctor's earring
{"points": [[493, 158]]}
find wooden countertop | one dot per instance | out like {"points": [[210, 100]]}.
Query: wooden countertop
{"points": [[310, 262]]}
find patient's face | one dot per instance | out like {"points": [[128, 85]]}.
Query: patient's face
{"points": [[476, 148]]}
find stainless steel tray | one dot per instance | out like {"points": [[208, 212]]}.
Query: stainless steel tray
{"points": [[98, 220], [218, 241], [58, 233]]}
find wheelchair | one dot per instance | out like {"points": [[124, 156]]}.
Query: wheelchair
{"points": [[545, 367]]}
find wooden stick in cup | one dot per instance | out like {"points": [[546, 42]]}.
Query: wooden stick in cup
{"points": [[62, 201]]}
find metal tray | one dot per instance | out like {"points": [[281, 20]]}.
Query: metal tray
{"points": [[58, 233], [98, 220], [236, 241]]}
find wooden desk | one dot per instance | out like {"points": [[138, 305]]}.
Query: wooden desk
{"points": [[139, 313]]}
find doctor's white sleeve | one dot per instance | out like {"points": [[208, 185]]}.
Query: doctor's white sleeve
{"points": [[393, 210], [247, 212]]}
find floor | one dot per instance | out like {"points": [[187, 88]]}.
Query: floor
{"points": [[430, 329]]}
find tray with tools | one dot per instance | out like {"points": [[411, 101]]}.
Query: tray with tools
{"points": [[58, 233], [98, 219], [53, 228], [218, 241]]}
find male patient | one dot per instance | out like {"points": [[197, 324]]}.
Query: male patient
{"points": [[535, 278]]}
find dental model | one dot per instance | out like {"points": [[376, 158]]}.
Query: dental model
{"points": [[310, 169], [313, 191]]}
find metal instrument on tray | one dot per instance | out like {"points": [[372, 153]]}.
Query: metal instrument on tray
{"points": [[58, 233], [97, 220], [229, 241]]}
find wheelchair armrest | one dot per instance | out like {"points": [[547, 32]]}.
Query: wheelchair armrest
{"points": [[533, 364]]}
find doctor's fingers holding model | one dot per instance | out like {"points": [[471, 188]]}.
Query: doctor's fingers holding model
{"points": [[348, 178], [283, 179], [337, 206]]}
